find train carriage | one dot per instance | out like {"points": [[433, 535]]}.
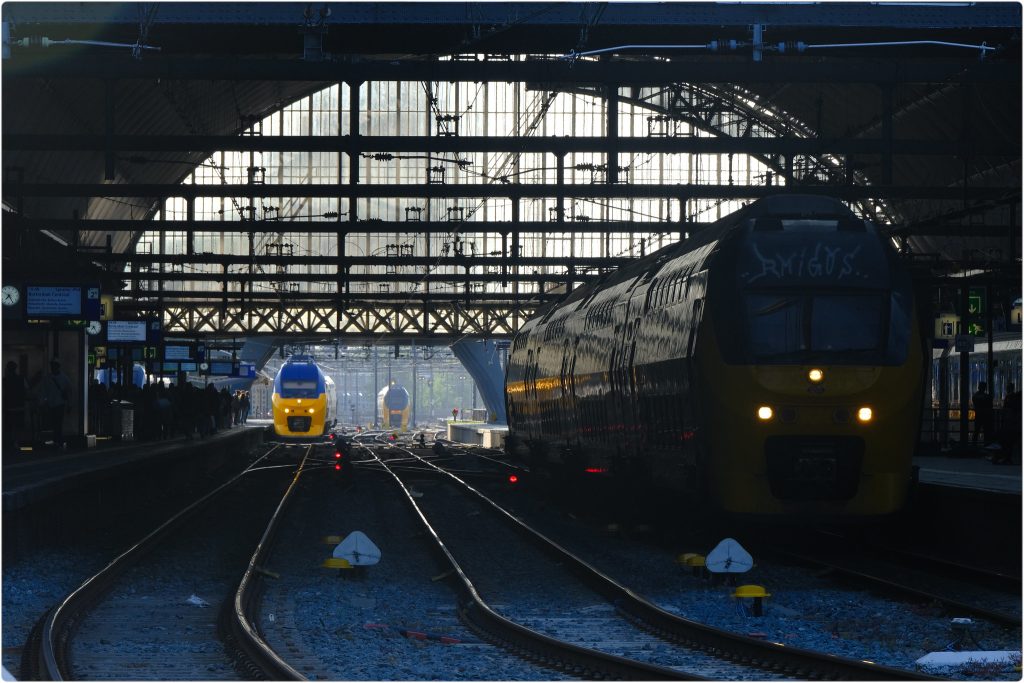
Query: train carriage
{"points": [[771, 365], [304, 399], [394, 405]]}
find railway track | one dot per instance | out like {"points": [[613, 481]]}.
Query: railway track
{"points": [[152, 613], [961, 590], [687, 646]]}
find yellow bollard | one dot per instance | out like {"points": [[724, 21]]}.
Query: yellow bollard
{"points": [[336, 563], [756, 594], [696, 564]]}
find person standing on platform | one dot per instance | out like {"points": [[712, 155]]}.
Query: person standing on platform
{"points": [[246, 405], [211, 409], [15, 391], [982, 402], [54, 395], [1010, 436]]}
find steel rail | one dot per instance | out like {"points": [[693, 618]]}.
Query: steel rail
{"points": [[545, 650], [240, 623], [905, 588], [767, 655], [51, 659]]}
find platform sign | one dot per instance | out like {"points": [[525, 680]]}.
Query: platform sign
{"points": [[121, 331], [53, 302], [221, 368], [976, 300], [106, 306], [154, 331], [178, 352], [964, 343], [92, 305]]}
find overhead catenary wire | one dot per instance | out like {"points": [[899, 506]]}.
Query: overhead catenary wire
{"points": [[781, 47]]}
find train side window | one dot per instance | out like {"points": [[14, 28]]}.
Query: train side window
{"points": [[694, 319]]}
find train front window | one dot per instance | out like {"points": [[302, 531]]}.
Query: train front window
{"points": [[799, 327], [845, 322], [298, 388], [776, 324]]}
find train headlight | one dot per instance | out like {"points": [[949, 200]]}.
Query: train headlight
{"points": [[865, 414], [310, 411], [765, 413], [287, 410], [815, 375]]}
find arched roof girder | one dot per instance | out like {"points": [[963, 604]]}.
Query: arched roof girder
{"points": [[707, 107]]}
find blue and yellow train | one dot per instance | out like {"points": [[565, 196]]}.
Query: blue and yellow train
{"points": [[304, 401], [772, 365], [393, 404]]}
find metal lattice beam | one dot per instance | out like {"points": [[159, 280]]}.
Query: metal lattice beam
{"points": [[358, 320], [552, 71], [372, 227], [767, 145], [510, 191]]}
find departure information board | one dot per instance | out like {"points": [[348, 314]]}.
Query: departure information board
{"points": [[53, 301]]}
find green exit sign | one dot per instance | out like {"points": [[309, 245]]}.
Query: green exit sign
{"points": [[975, 301]]}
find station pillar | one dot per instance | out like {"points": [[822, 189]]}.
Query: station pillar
{"points": [[482, 359]]}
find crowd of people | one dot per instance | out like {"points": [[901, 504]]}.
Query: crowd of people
{"points": [[36, 405], [162, 412], [1008, 436], [34, 409]]}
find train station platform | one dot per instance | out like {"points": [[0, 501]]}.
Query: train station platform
{"points": [[976, 473], [34, 476], [488, 435]]}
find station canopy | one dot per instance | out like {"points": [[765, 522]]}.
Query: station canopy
{"points": [[447, 168]]}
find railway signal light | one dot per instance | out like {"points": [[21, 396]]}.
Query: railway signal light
{"points": [[513, 479]]}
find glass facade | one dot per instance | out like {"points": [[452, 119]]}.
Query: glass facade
{"points": [[442, 109]]}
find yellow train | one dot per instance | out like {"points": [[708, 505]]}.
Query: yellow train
{"points": [[771, 365], [393, 404], [304, 400]]}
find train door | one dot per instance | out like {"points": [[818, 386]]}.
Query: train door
{"points": [[693, 467], [577, 409], [614, 400], [565, 414], [633, 397]]}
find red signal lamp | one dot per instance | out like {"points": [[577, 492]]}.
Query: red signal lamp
{"points": [[513, 479], [596, 470], [337, 466], [337, 455]]}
